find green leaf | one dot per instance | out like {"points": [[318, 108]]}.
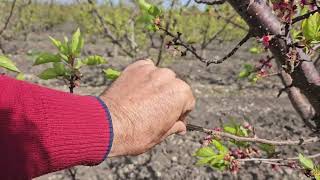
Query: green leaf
{"points": [[255, 50], [20, 76], [220, 147], [152, 27], [218, 163], [243, 131], [253, 78], [247, 70], [94, 60], [111, 73], [79, 64], [8, 64], [46, 57], [296, 34], [64, 49], [316, 172], [229, 129], [48, 74], [306, 162], [59, 68], [154, 11], [55, 42], [80, 45], [64, 57], [311, 27], [204, 161], [76, 43], [145, 19], [144, 5], [66, 39], [205, 152]]}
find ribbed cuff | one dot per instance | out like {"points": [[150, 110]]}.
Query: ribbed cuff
{"points": [[109, 119]]}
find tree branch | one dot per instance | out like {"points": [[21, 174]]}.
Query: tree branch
{"points": [[301, 141], [210, 2], [278, 159], [304, 82], [189, 48], [233, 51], [305, 16]]}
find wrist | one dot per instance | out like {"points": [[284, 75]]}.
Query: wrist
{"points": [[121, 129], [111, 129]]}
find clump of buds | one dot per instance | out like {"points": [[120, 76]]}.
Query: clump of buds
{"points": [[266, 62], [263, 66], [266, 40], [239, 153], [285, 9], [234, 166], [248, 126], [206, 140], [157, 21]]}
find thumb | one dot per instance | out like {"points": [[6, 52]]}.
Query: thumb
{"points": [[178, 128]]}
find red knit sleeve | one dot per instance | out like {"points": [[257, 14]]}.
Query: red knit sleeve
{"points": [[43, 130]]}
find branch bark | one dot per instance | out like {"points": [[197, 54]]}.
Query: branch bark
{"points": [[301, 141], [304, 82], [277, 159]]}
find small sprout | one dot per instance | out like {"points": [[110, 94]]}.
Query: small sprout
{"points": [[111, 73], [20, 76], [306, 162]]}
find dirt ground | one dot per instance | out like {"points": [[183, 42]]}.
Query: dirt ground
{"points": [[220, 97]]}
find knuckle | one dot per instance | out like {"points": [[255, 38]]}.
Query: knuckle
{"points": [[139, 63], [140, 67], [165, 71], [144, 62]]}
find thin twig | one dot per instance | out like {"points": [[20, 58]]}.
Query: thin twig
{"points": [[207, 42], [8, 18], [163, 36], [72, 173], [179, 42], [106, 29], [233, 51], [301, 141], [305, 16]]}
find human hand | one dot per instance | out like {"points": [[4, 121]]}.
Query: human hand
{"points": [[147, 104]]}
